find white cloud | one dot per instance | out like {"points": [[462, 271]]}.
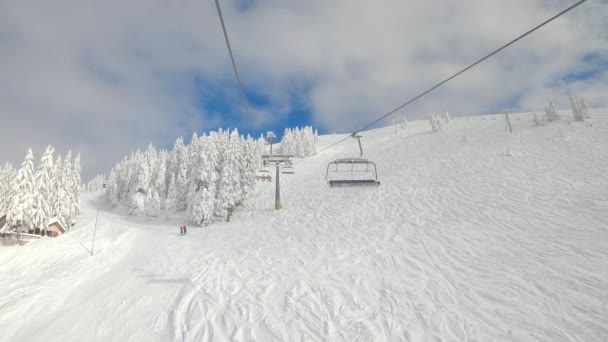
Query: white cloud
{"points": [[105, 77]]}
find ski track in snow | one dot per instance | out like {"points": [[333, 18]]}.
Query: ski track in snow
{"points": [[459, 243]]}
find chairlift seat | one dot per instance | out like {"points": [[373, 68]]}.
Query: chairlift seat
{"points": [[344, 181], [353, 182], [264, 175], [288, 170]]}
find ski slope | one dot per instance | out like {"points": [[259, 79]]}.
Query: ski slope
{"points": [[459, 243]]}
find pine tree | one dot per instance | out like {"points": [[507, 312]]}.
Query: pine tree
{"points": [[172, 197], [21, 211], [160, 180], [203, 206], [248, 180], [140, 184], [76, 186], [7, 175], [286, 142], [230, 190], [44, 190], [112, 188], [152, 204], [180, 163]]}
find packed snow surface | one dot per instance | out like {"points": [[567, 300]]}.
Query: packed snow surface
{"points": [[460, 243]]}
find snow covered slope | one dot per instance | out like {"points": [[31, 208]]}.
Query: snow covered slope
{"points": [[459, 243]]}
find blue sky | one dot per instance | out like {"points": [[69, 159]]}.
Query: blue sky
{"points": [[106, 78], [592, 65]]}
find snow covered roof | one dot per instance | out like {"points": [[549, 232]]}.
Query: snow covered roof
{"points": [[55, 221]]}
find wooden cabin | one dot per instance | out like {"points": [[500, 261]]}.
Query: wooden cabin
{"points": [[2, 220], [54, 228]]}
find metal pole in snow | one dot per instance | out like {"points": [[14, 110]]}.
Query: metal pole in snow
{"points": [[277, 196], [508, 121], [94, 231]]}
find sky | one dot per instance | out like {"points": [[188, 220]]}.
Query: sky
{"points": [[104, 78]]}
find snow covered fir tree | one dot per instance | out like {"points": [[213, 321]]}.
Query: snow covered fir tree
{"points": [[207, 178], [95, 184], [32, 197], [299, 142]]}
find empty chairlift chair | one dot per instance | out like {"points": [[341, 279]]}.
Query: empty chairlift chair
{"points": [[350, 172], [288, 169]]}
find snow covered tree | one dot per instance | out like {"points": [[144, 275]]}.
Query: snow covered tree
{"points": [[172, 198], [160, 179], [270, 136], [7, 175], [448, 119], [21, 211], [550, 112], [179, 170], [230, 191], [45, 187], [112, 188], [580, 109], [66, 184], [208, 177], [139, 185], [95, 184], [299, 142], [249, 165], [62, 197], [261, 142], [287, 142], [204, 181], [76, 185], [436, 124], [152, 204], [203, 207], [539, 121]]}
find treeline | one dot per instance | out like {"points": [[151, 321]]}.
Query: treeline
{"points": [[206, 178], [95, 184], [299, 142], [31, 197]]}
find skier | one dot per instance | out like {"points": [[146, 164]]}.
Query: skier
{"points": [[185, 230], [181, 230]]}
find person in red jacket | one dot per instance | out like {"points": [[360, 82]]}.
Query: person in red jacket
{"points": [[185, 230]]}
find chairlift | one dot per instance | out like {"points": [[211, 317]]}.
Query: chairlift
{"points": [[350, 172], [264, 175], [288, 169]]}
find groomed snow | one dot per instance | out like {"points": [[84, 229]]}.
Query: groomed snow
{"points": [[459, 243]]}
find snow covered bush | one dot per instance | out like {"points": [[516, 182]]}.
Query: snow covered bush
{"points": [[400, 123], [539, 121], [210, 176], [436, 124], [550, 112], [580, 109], [300, 142]]}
